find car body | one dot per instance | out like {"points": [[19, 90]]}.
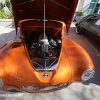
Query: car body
{"points": [[41, 58], [90, 25]]}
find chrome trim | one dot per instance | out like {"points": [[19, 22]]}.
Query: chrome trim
{"points": [[90, 73], [38, 64], [45, 75], [44, 89], [44, 66]]}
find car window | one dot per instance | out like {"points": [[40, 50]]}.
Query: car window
{"points": [[86, 17], [97, 22], [92, 19]]}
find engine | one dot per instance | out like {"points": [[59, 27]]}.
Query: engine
{"points": [[44, 46], [44, 51]]}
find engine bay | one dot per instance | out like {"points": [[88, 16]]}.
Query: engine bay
{"points": [[43, 49], [44, 53]]}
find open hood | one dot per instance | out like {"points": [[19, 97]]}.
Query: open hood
{"points": [[61, 10]]}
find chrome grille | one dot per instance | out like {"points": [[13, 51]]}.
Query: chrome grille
{"points": [[44, 89], [44, 64]]}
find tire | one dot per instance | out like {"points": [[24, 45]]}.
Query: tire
{"points": [[78, 29]]}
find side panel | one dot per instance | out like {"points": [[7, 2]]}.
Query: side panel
{"points": [[9, 62]]}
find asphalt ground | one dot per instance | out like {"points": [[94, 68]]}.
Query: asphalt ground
{"points": [[89, 90]]}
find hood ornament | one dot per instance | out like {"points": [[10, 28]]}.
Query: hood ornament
{"points": [[45, 76]]}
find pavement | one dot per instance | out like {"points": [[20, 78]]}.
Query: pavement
{"points": [[89, 90]]}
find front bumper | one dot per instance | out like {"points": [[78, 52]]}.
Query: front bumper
{"points": [[44, 89]]}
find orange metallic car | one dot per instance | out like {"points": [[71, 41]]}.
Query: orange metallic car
{"points": [[41, 58]]}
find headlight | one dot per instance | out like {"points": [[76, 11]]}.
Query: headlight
{"points": [[87, 74]]}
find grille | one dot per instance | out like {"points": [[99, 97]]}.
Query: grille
{"points": [[44, 89], [44, 64]]}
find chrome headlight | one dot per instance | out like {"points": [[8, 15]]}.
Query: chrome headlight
{"points": [[87, 74]]}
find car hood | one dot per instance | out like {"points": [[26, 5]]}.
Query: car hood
{"points": [[61, 10]]}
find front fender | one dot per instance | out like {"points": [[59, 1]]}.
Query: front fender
{"points": [[79, 59]]}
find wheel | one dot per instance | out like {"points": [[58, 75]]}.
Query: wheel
{"points": [[78, 29]]}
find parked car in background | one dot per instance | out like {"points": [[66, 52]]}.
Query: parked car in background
{"points": [[90, 25], [78, 19]]}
